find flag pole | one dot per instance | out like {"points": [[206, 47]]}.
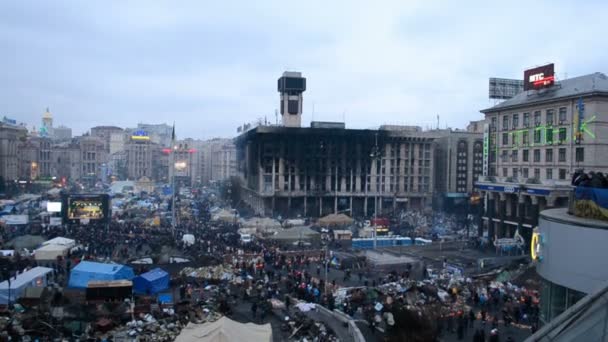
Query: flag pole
{"points": [[172, 168]]}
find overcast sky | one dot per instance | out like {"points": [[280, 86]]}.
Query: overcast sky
{"points": [[212, 65]]}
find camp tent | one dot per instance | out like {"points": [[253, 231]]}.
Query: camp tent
{"points": [[60, 241], [335, 220], [87, 271], [151, 282], [225, 330], [296, 234], [36, 277], [51, 252]]}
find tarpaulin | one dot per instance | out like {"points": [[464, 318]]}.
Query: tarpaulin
{"points": [[591, 202], [87, 271], [151, 282]]}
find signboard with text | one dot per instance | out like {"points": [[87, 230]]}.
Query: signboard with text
{"points": [[540, 77]]}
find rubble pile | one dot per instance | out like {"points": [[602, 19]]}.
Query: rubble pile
{"points": [[304, 329], [164, 328], [219, 272]]}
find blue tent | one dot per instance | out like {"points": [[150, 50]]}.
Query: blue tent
{"points": [[87, 271], [151, 282]]}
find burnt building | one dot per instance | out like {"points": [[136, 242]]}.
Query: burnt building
{"points": [[326, 169]]}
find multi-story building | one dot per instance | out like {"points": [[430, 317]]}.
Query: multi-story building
{"points": [[11, 136], [534, 143], [316, 171], [208, 149], [62, 160], [35, 158], [105, 134], [223, 162], [93, 159], [62, 133], [140, 152], [458, 165], [160, 134], [184, 166]]}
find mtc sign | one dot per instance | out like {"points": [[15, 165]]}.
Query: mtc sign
{"points": [[540, 77]]}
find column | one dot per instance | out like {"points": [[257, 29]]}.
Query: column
{"points": [[365, 205], [534, 211], [305, 197], [521, 215], [480, 214], [491, 213], [351, 207], [502, 208], [335, 204], [320, 206]]}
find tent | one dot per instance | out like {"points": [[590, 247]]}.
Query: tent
{"points": [[87, 271], [51, 252], [225, 330], [151, 282], [36, 277], [335, 220], [60, 241], [296, 234]]}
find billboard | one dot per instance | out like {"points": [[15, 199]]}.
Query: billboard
{"points": [[486, 148], [14, 219], [86, 207], [540, 77], [504, 88]]}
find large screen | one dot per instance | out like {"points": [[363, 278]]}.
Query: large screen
{"points": [[53, 207], [540, 77], [93, 207]]}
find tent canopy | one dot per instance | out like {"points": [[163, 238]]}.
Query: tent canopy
{"points": [[151, 282], [51, 252], [225, 330], [335, 220], [296, 233], [87, 271], [23, 281], [60, 241]]}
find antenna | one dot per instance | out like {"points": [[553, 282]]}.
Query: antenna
{"points": [[276, 117]]}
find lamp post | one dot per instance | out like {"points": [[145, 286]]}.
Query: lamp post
{"points": [[375, 155]]}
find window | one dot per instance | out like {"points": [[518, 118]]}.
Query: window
{"points": [[580, 154], [562, 115], [525, 156], [514, 172], [549, 136], [562, 173], [524, 137], [515, 121], [514, 139], [493, 122], [525, 172], [505, 172], [526, 119], [549, 155], [549, 173], [505, 122], [504, 156], [537, 118], [505, 139], [537, 136], [562, 135], [549, 118], [514, 155], [537, 156], [537, 173], [561, 156]]}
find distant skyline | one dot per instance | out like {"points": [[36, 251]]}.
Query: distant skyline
{"points": [[212, 66]]}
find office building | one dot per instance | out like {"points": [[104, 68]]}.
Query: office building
{"points": [[62, 133], [35, 158], [105, 134], [223, 161], [533, 143], [159, 133], [11, 136], [93, 159], [140, 152]]}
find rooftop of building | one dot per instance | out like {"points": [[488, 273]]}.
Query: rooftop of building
{"points": [[114, 128], [561, 215], [587, 85]]}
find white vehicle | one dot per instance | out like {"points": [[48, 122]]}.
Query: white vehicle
{"points": [[246, 238]]}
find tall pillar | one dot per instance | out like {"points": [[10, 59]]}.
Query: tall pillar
{"points": [[365, 206], [350, 206], [534, 211], [305, 197], [480, 214], [491, 215], [335, 204], [521, 215], [502, 209], [320, 206]]}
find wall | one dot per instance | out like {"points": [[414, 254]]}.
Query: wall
{"points": [[573, 256]]}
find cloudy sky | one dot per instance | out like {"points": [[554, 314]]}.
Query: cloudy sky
{"points": [[212, 65]]}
